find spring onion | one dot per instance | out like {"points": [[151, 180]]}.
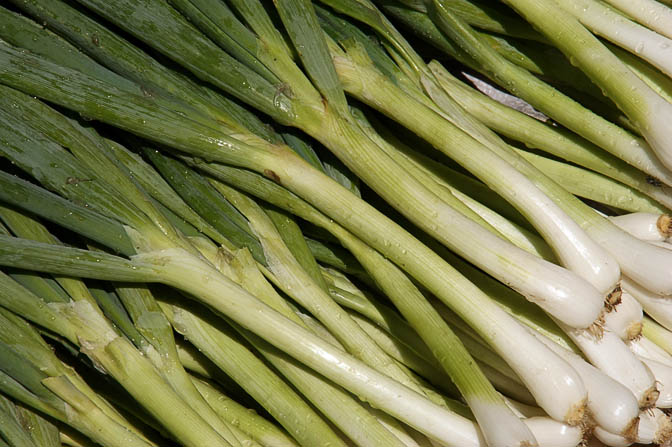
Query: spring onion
{"points": [[645, 226], [246, 223], [567, 408], [626, 318], [647, 12], [642, 105]]}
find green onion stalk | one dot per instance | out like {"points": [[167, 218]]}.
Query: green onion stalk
{"points": [[220, 292], [298, 284], [505, 223], [383, 272], [274, 251], [82, 323], [156, 329], [430, 227], [361, 140], [637, 377], [540, 95], [647, 12], [399, 391], [152, 337], [202, 198], [466, 140], [151, 321], [387, 328], [395, 285], [263, 188], [657, 334], [78, 28], [590, 185], [29, 294], [520, 127], [32, 374], [333, 402], [228, 409], [384, 95], [273, 243], [72, 439], [485, 17], [548, 64], [88, 263], [223, 347], [642, 105], [613, 26], [645, 387], [551, 65], [271, 170], [45, 17], [341, 408], [659, 82], [410, 161], [656, 306], [24, 427]]}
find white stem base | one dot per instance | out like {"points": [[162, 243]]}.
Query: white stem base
{"points": [[656, 306], [663, 375], [625, 319], [613, 357], [643, 226], [655, 427], [551, 433], [612, 405]]}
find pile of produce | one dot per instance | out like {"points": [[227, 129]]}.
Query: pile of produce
{"points": [[372, 223]]}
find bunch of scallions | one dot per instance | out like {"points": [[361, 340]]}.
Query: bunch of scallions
{"points": [[372, 223]]}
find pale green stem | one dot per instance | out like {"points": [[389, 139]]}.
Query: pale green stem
{"points": [[331, 400], [420, 265], [178, 269], [640, 104], [11, 427], [657, 334], [246, 419], [229, 354], [137, 375], [84, 415], [656, 80], [481, 152], [612, 25], [299, 285], [523, 128], [648, 12], [567, 112], [591, 185], [519, 236], [156, 329]]}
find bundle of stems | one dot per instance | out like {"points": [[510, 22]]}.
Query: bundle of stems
{"points": [[159, 339], [34, 376], [61, 163], [500, 292], [566, 411], [148, 244], [25, 427], [384, 95], [539, 94], [89, 330]]}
